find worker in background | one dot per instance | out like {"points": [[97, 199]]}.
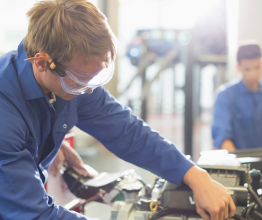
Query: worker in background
{"points": [[54, 82], [238, 107]]}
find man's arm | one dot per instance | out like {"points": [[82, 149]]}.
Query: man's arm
{"points": [[22, 193], [67, 155], [222, 120], [228, 145], [131, 139], [128, 137]]}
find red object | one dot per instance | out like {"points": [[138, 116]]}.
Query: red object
{"points": [[80, 206], [70, 138]]}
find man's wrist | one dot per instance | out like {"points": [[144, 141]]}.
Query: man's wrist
{"points": [[195, 176]]}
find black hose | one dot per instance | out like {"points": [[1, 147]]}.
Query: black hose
{"points": [[255, 197], [256, 213], [162, 213], [238, 217], [250, 208], [166, 212]]}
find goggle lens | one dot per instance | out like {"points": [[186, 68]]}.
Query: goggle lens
{"points": [[77, 83]]}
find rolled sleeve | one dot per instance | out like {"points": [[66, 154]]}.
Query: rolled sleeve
{"points": [[130, 138], [222, 119]]}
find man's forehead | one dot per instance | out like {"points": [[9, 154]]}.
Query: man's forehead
{"points": [[250, 62], [84, 64]]}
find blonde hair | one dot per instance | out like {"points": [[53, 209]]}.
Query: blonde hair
{"points": [[62, 28]]}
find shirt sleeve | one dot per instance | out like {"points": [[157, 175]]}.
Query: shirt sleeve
{"points": [[22, 193], [128, 137], [222, 119]]}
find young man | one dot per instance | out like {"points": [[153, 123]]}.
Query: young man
{"points": [[71, 52], [238, 107]]}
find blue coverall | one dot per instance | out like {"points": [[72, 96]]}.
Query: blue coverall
{"points": [[32, 130], [238, 116]]}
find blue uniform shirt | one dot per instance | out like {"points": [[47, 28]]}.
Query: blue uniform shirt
{"points": [[238, 116], [29, 124]]}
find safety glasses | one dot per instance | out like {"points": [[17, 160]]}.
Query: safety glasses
{"points": [[76, 82]]}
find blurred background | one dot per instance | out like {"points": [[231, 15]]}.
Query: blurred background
{"points": [[172, 56]]}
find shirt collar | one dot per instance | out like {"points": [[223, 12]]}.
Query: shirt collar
{"points": [[53, 98], [244, 89], [30, 86]]}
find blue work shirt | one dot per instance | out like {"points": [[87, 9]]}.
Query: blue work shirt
{"points": [[29, 124], [238, 116]]}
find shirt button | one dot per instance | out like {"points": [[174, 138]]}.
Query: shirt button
{"points": [[65, 126], [239, 115]]}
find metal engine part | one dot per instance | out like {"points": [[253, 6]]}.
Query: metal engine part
{"points": [[180, 199]]}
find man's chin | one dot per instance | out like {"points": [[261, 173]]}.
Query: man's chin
{"points": [[253, 83], [68, 97]]}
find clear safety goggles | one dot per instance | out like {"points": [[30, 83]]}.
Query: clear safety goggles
{"points": [[76, 82]]}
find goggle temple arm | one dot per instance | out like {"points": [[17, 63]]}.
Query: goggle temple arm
{"points": [[53, 66]]}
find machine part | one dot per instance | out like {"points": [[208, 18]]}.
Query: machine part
{"points": [[143, 215], [135, 213], [238, 217], [182, 197], [239, 195], [177, 197], [255, 197], [255, 172], [109, 197], [167, 212], [85, 187], [166, 201], [125, 211], [156, 180], [153, 206], [115, 209], [73, 203], [131, 192], [256, 213], [131, 197], [78, 204], [259, 192], [145, 204], [97, 210], [155, 194], [82, 203], [250, 208], [228, 176]]}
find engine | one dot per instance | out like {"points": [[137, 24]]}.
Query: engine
{"points": [[130, 198]]}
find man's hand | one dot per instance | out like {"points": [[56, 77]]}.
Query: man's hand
{"points": [[57, 163], [228, 145], [67, 155], [212, 200]]}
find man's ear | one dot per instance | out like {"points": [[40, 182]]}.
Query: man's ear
{"points": [[40, 64], [238, 67]]}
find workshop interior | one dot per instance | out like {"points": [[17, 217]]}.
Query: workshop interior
{"points": [[173, 56]]}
